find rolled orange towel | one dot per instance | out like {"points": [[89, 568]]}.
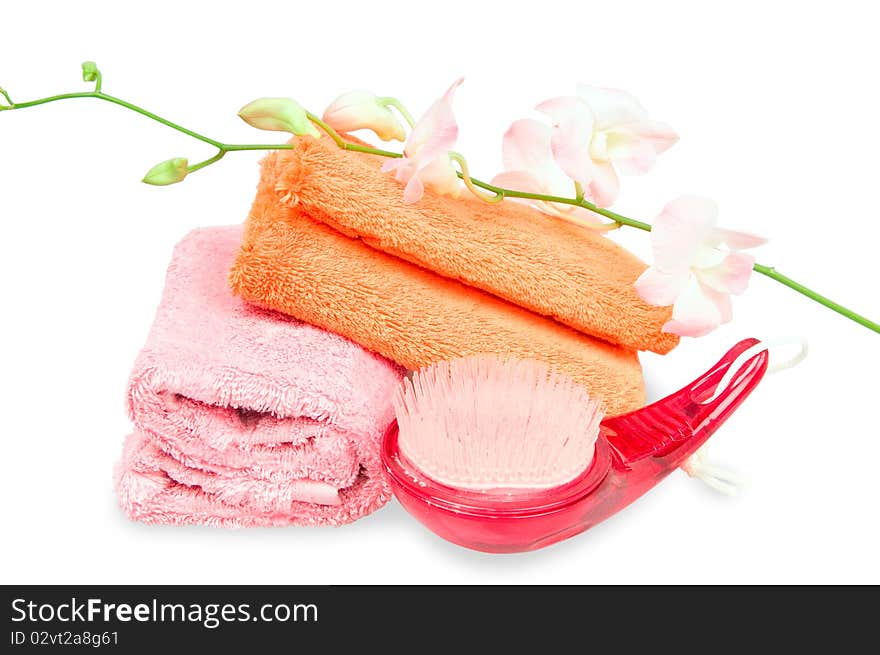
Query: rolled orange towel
{"points": [[307, 269], [539, 262]]}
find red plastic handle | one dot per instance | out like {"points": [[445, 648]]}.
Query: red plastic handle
{"points": [[673, 428]]}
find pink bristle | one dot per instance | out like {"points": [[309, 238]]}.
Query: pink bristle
{"points": [[484, 423]]}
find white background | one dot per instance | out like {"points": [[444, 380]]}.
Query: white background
{"points": [[777, 107]]}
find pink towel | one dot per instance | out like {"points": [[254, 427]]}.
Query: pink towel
{"points": [[245, 417]]}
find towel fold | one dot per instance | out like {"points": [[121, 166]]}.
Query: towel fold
{"points": [[579, 278], [245, 416], [303, 267]]}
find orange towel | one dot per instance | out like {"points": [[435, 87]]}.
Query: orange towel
{"points": [[291, 263], [544, 264]]}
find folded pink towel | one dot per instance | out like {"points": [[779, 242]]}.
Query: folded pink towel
{"points": [[246, 417]]}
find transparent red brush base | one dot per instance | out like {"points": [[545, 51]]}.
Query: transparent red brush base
{"points": [[633, 453], [492, 522]]}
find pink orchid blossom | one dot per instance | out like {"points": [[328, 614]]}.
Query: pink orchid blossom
{"points": [[690, 271], [599, 132], [425, 161], [530, 167]]}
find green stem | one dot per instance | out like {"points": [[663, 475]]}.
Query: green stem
{"points": [[471, 182], [329, 130], [100, 95], [394, 102], [465, 176], [772, 273], [586, 204], [195, 167], [346, 145], [239, 147]]}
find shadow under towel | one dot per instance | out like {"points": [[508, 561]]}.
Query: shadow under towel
{"points": [[247, 417]]}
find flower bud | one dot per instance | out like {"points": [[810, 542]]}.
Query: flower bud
{"points": [[168, 172], [90, 71], [279, 115], [357, 110]]}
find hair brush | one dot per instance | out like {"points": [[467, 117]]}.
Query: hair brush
{"points": [[507, 455]]}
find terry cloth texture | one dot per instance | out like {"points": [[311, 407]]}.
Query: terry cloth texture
{"points": [[297, 265], [553, 268], [246, 417]]}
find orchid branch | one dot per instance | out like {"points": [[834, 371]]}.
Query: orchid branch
{"points": [[401, 109], [176, 169], [465, 176], [768, 271], [346, 145]]}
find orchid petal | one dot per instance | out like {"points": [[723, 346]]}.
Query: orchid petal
{"points": [[660, 136], [611, 107], [708, 255], [578, 214], [634, 147], [436, 131], [394, 163], [572, 135], [660, 289], [525, 181], [730, 276], [440, 176], [694, 314], [722, 303], [414, 190], [569, 213], [679, 232], [529, 183], [631, 155], [403, 168], [738, 240], [518, 181], [526, 148], [605, 185]]}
